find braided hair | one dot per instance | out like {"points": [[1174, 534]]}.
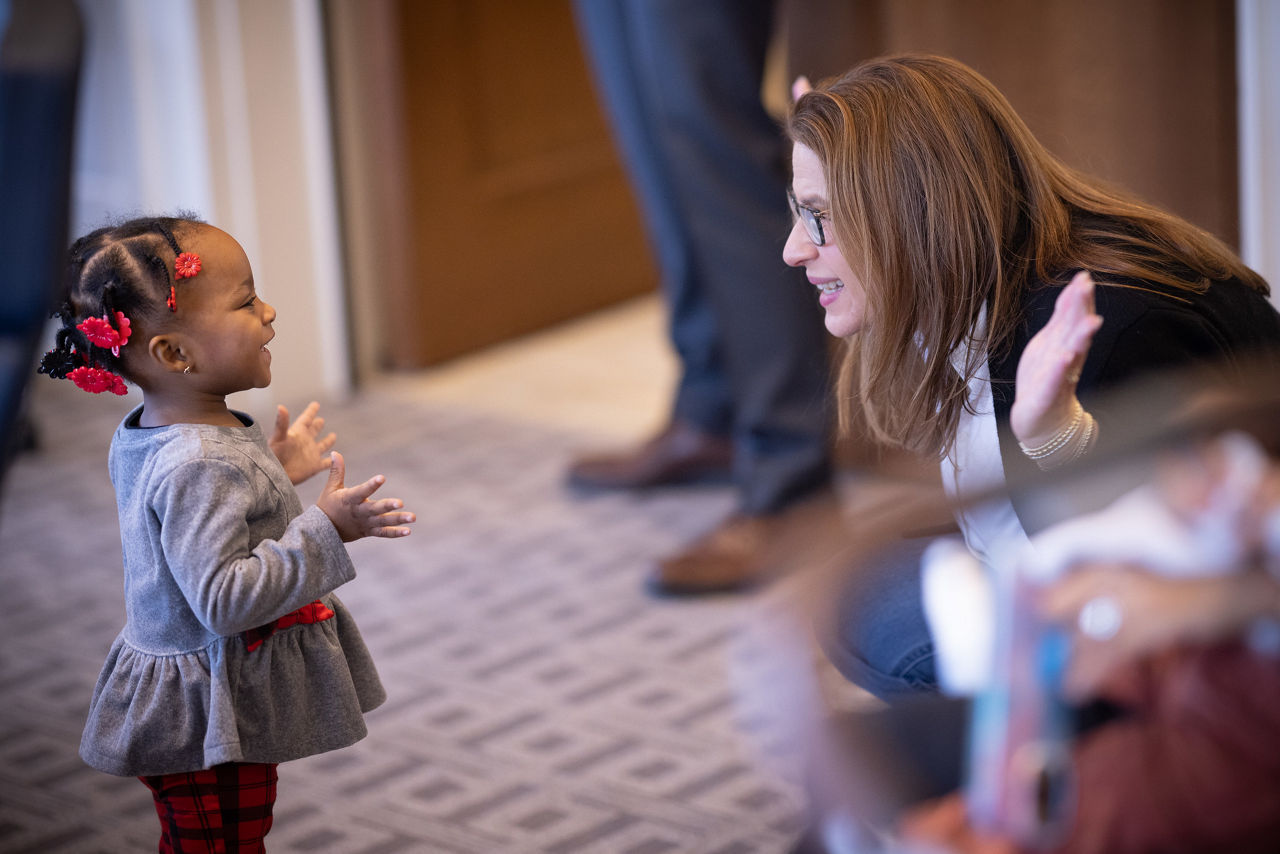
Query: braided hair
{"points": [[118, 278]]}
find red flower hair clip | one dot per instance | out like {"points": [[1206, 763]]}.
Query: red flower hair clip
{"points": [[97, 380], [186, 265], [99, 331]]}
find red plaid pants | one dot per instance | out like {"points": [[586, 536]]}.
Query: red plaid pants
{"points": [[225, 809]]}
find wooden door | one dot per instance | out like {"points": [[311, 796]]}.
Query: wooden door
{"points": [[518, 213]]}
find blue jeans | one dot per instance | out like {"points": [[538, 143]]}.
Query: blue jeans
{"points": [[877, 636]]}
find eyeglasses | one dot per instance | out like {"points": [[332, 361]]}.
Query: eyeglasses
{"points": [[811, 218]]}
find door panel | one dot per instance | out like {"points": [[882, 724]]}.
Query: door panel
{"points": [[519, 214]]}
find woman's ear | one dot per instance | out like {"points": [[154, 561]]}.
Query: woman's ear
{"points": [[165, 351]]}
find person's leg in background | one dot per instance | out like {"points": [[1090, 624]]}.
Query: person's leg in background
{"points": [[696, 443], [681, 82]]}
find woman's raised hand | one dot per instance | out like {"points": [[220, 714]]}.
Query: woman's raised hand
{"points": [[1045, 390], [351, 511]]}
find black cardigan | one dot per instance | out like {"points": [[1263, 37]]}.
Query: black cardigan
{"points": [[1144, 332]]}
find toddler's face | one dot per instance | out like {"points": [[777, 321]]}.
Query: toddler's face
{"points": [[225, 325]]}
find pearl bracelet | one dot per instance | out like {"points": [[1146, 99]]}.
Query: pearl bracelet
{"points": [[1061, 438], [1070, 443]]}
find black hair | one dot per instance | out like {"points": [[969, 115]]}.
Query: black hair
{"points": [[126, 268]]}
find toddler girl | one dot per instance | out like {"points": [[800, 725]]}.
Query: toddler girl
{"points": [[235, 654]]}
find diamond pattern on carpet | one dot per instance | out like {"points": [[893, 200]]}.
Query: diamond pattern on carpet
{"points": [[540, 701]]}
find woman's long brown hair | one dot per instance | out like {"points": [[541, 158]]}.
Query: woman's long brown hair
{"points": [[942, 202]]}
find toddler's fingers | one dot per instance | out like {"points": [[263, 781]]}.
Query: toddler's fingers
{"points": [[381, 506], [392, 525], [392, 518], [282, 422], [361, 491], [328, 442], [337, 472], [390, 533]]}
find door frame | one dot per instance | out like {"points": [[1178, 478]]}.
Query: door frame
{"points": [[221, 108], [1258, 73]]}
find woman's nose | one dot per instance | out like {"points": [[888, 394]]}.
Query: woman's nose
{"points": [[798, 248]]}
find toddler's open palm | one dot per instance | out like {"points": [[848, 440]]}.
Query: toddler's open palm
{"points": [[299, 446], [353, 513]]}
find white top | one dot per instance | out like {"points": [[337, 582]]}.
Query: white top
{"points": [[958, 585], [991, 528]]}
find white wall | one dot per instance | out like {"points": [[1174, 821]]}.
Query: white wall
{"points": [[219, 107], [1258, 52]]}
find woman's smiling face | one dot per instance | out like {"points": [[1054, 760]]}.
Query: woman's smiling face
{"points": [[840, 291]]}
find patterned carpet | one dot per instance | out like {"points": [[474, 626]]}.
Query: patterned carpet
{"points": [[540, 701]]}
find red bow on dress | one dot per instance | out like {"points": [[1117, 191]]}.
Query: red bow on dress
{"points": [[314, 613]]}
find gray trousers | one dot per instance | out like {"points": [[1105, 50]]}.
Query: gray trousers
{"points": [[680, 83]]}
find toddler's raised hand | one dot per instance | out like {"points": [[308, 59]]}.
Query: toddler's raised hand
{"points": [[298, 446], [351, 511]]}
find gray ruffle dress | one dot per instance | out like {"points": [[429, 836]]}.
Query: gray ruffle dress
{"points": [[217, 548]]}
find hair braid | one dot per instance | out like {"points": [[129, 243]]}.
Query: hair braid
{"points": [[167, 234], [116, 282]]}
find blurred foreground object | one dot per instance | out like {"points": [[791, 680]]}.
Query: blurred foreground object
{"points": [[1169, 599], [1130, 699]]}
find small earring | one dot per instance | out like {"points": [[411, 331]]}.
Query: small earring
{"points": [[187, 369]]}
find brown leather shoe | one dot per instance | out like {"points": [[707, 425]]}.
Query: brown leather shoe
{"points": [[679, 454], [745, 551]]}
